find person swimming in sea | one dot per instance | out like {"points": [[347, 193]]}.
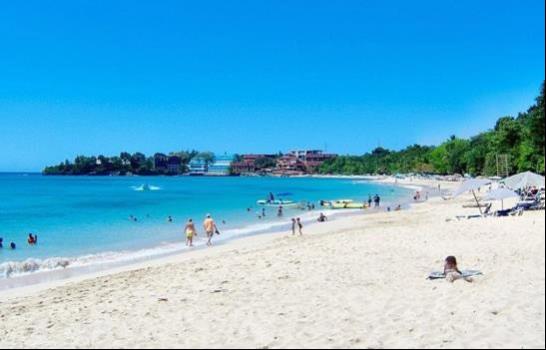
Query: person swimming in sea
{"points": [[452, 272], [32, 239], [1, 243], [13, 246], [280, 211], [169, 218], [191, 232]]}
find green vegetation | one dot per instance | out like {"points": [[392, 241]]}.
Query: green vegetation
{"points": [[126, 163], [515, 144]]}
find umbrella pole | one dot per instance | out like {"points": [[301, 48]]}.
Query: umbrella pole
{"points": [[477, 202]]}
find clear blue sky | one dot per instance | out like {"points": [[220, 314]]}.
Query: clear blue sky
{"points": [[99, 77]]}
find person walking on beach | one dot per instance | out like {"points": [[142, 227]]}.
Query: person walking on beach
{"points": [[294, 227], [210, 228], [190, 232], [300, 226], [370, 201]]}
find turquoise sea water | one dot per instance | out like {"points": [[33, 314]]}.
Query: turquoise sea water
{"points": [[82, 220]]}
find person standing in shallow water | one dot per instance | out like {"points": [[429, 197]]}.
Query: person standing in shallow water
{"points": [[300, 226], [191, 232], [293, 227], [280, 211], [210, 227]]}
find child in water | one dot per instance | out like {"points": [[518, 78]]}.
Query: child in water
{"points": [[452, 272], [190, 232]]}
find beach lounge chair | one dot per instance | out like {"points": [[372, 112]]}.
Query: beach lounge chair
{"points": [[516, 211], [486, 213]]}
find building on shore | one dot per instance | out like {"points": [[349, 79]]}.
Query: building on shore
{"points": [[198, 167], [298, 162], [220, 166], [314, 159], [250, 163], [161, 162], [174, 164], [302, 162]]}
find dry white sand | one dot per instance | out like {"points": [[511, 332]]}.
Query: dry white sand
{"points": [[356, 282]]}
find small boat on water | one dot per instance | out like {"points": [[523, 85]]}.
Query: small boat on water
{"points": [[276, 203]]}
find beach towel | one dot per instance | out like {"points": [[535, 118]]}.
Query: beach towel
{"points": [[466, 273]]}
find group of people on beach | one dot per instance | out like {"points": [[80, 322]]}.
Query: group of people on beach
{"points": [[209, 226], [375, 199], [32, 240]]}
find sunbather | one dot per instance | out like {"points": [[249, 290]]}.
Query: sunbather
{"points": [[452, 272]]}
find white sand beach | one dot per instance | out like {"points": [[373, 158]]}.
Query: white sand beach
{"points": [[355, 282]]}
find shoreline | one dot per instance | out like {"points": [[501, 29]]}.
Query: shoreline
{"points": [[103, 263]]}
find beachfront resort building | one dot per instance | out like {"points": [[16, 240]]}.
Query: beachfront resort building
{"points": [[221, 166], [303, 161], [160, 162], [297, 162], [174, 165], [249, 164], [198, 167]]}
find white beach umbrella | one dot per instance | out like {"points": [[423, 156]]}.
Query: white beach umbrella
{"points": [[524, 180], [471, 186], [500, 194]]}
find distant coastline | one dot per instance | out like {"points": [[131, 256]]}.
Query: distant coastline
{"points": [[515, 144]]}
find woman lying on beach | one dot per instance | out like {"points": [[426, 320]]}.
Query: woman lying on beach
{"points": [[452, 272], [190, 232]]}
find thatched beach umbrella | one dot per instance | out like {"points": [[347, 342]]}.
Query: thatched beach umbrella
{"points": [[524, 180], [471, 186], [500, 194]]}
